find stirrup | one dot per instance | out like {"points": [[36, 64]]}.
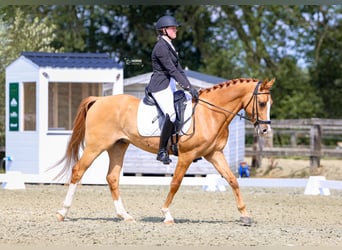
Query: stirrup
{"points": [[163, 156]]}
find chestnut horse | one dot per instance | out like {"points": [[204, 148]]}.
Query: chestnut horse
{"points": [[109, 124]]}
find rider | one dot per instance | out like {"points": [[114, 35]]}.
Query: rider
{"points": [[167, 71]]}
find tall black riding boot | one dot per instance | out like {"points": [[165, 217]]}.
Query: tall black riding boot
{"points": [[166, 132]]}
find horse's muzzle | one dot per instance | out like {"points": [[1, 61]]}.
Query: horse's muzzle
{"points": [[262, 127]]}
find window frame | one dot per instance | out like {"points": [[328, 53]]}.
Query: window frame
{"points": [[29, 106], [61, 95]]}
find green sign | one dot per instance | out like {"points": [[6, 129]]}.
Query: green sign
{"points": [[14, 106]]}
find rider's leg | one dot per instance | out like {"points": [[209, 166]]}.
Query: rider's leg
{"points": [[166, 132], [164, 99]]}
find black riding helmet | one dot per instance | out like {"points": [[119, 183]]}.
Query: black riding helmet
{"points": [[166, 21]]}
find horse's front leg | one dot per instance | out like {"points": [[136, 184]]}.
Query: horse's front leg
{"points": [[174, 186], [219, 161], [116, 155]]}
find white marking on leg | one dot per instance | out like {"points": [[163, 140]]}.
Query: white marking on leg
{"points": [[121, 211], [68, 199], [167, 215]]}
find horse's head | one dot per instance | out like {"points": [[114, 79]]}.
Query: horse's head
{"points": [[259, 105]]}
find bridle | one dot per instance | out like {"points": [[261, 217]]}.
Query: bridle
{"points": [[254, 97], [255, 106]]}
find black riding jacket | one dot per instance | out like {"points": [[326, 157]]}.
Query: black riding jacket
{"points": [[165, 64]]}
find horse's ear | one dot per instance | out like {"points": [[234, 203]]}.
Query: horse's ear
{"points": [[267, 84]]}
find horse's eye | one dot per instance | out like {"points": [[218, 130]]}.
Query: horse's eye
{"points": [[262, 104]]}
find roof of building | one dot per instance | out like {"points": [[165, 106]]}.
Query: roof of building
{"points": [[71, 60], [198, 79], [204, 77]]}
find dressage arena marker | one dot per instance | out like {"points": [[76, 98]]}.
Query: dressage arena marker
{"points": [[12, 180], [212, 185], [314, 187]]}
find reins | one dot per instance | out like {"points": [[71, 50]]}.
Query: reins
{"points": [[225, 110], [192, 116], [254, 110]]}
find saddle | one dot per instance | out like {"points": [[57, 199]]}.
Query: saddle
{"points": [[180, 106]]}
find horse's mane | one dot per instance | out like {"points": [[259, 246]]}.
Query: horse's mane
{"points": [[227, 83]]}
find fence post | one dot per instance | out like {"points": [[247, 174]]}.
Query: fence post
{"points": [[259, 143], [257, 148], [294, 139], [315, 146]]}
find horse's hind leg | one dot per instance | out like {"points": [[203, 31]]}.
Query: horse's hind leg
{"points": [[77, 172], [116, 157], [219, 161]]}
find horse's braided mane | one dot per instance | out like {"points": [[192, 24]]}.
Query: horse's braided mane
{"points": [[228, 83]]}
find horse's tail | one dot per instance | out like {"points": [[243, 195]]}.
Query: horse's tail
{"points": [[77, 138]]}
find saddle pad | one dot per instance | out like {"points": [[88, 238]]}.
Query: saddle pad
{"points": [[149, 124]]}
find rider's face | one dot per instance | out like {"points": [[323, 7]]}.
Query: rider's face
{"points": [[172, 31]]}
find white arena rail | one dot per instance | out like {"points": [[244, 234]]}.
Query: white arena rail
{"points": [[314, 185]]}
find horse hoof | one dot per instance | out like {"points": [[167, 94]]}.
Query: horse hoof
{"points": [[130, 220], [126, 217], [246, 221], [59, 217], [169, 222]]}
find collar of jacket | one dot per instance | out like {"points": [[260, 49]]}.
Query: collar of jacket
{"points": [[171, 48]]}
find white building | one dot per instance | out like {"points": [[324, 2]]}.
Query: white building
{"points": [[43, 91]]}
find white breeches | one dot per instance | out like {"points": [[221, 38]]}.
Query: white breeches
{"points": [[165, 100]]}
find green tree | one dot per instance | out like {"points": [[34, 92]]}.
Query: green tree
{"points": [[325, 24], [268, 42], [136, 35], [68, 22], [297, 100]]}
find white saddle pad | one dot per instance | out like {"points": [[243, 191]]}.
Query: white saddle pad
{"points": [[150, 122]]}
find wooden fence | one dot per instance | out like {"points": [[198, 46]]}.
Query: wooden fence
{"points": [[315, 130]]}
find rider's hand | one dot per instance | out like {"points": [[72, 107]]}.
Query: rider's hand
{"points": [[194, 93]]}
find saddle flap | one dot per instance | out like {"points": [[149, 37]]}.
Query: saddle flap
{"points": [[148, 98], [180, 103], [150, 120]]}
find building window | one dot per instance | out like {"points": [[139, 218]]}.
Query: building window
{"points": [[29, 106], [64, 99]]}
